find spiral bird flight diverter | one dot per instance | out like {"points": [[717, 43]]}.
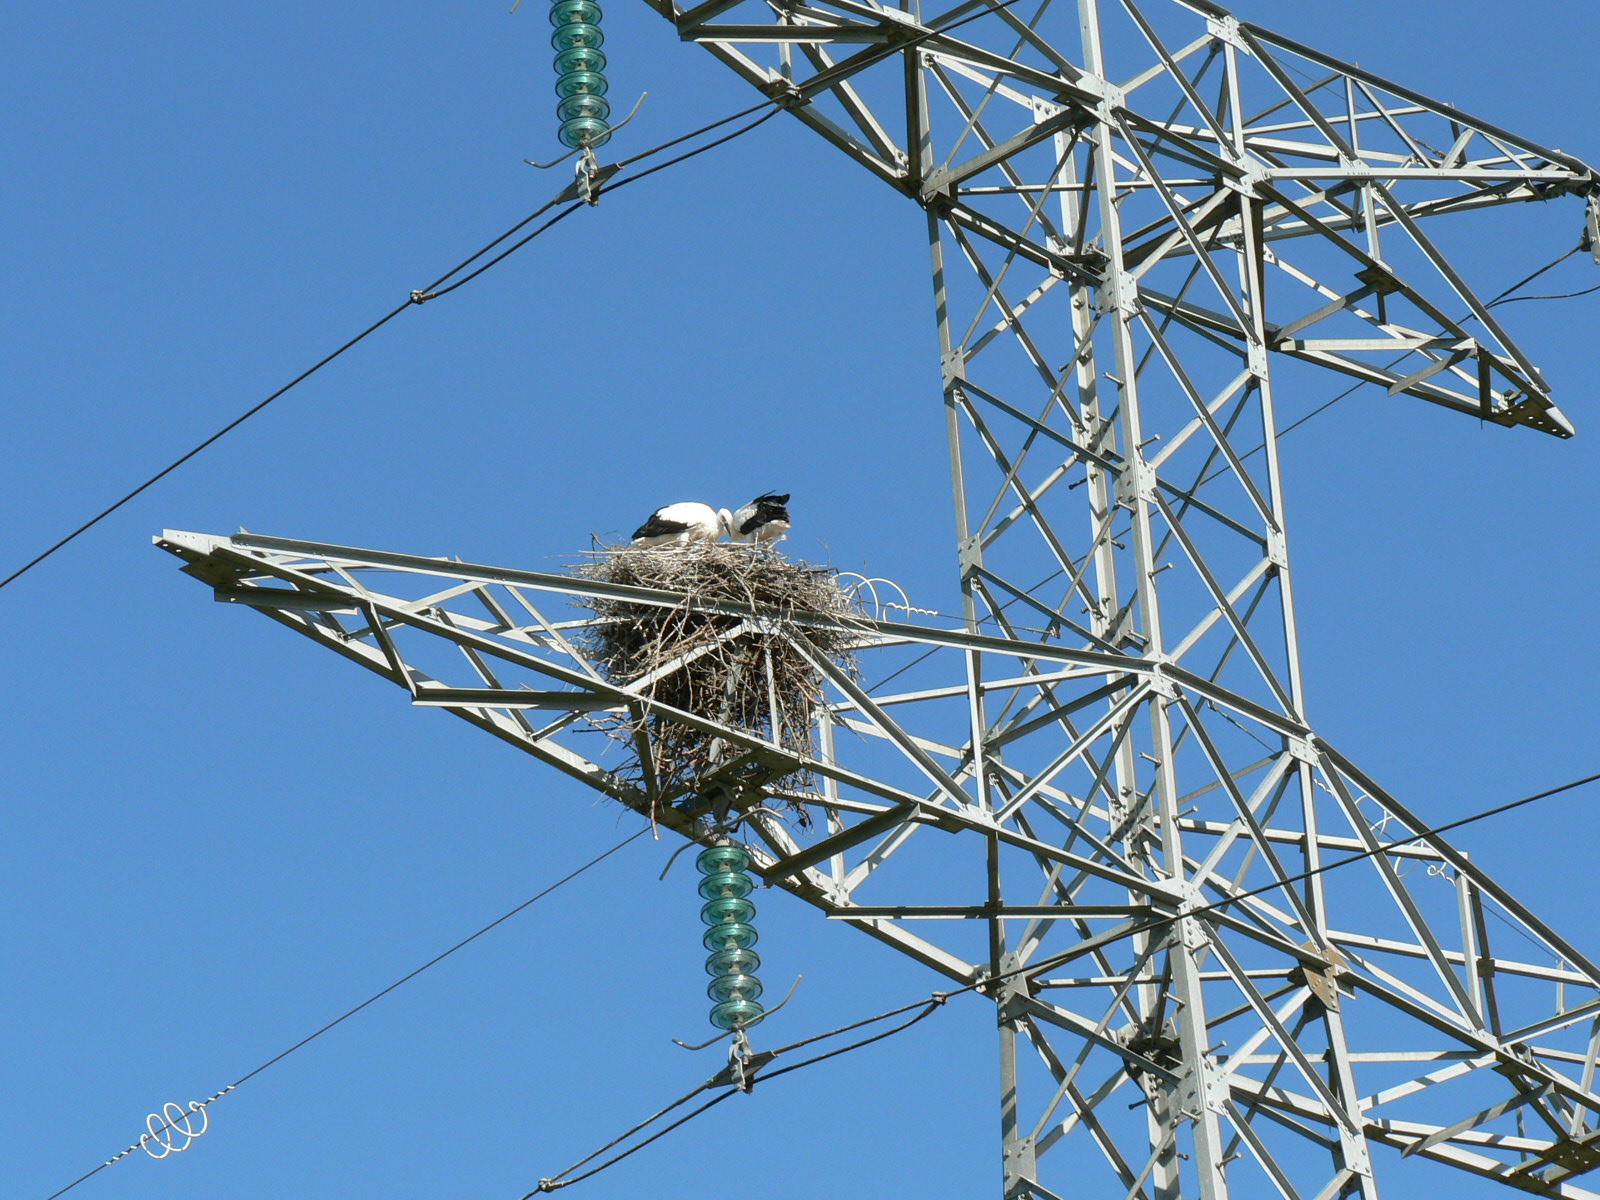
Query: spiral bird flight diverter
{"points": [[726, 886], [581, 83]]}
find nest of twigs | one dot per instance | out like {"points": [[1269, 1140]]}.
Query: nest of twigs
{"points": [[751, 675]]}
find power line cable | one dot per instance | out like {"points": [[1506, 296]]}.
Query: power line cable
{"points": [[926, 1006], [604, 188], [1503, 297], [935, 1000], [1215, 905], [279, 1057], [439, 287], [1554, 296]]}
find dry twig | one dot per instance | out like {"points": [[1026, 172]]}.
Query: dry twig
{"points": [[724, 668]]}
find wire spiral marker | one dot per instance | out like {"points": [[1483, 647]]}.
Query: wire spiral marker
{"points": [[860, 587], [728, 910], [581, 84], [171, 1123]]}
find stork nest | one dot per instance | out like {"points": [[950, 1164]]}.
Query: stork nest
{"points": [[750, 675]]}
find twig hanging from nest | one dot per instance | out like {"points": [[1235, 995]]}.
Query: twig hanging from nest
{"points": [[728, 669]]}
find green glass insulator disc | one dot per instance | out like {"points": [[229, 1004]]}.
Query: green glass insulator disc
{"points": [[734, 987], [579, 33], [731, 1014], [725, 909], [595, 108], [726, 883], [736, 961], [722, 858], [581, 83], [730, 935], [584, 131], [580, 58], [565, 12]]}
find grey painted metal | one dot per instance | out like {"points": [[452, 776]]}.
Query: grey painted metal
{"points": [[1130, 208]]}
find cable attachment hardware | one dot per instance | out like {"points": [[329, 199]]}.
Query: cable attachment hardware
{"points": [[172, 1122], [740, 1067], [726, 886], [1591, 226], [588, 172]]}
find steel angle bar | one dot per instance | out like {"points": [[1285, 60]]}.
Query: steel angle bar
{"points": [[1220, 599], [1480, 1164], [1121, 990], [1083, 1113], [956, 214], [1466, 294], [903, 632], [1162, 238], [1206, 41], [285, 599], [1061, 1018], [942, 68], [844, 93], [891, 729], [869, 728], [565, 761], [816, 33], [1113, 716], [1530, 923], [1559, 1020], [946, 178], [1264, 1157], [1465, 958], [1203, 413], [1529, 381], [1258, 574], [971, 349], [1040, 522], [990, 910], [1482, 1117], [1027, 34], [1201, 108], [1273, 1021], [993, 295], [618, 695], [493, 697], [1276, 779], [1086, 452], [1264, 36], [980, 576], [998, 736]]}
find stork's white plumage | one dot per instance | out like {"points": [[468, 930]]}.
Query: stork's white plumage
{"points": [[682, 523], [764, 519]]}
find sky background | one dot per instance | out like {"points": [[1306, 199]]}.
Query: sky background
{"points": [[217, 838]]}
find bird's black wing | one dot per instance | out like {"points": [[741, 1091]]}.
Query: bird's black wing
{"points": [[768, 509], [657, 527]]}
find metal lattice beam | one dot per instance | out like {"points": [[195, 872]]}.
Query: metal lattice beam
{"points": [[1133, 209], [1366, 1005]]}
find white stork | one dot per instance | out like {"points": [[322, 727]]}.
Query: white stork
{"points": [[764, 519], [683, 523]]}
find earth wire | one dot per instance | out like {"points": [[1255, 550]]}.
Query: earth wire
{"points": [[937, 999], [276, 1058]]}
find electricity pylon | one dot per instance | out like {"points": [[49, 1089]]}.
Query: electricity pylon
{"points": [[1096, 794]]}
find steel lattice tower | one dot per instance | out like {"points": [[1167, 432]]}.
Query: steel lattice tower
{"points": [[1099, 790]]}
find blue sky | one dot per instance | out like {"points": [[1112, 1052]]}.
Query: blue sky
{"points": [[217, 839]]}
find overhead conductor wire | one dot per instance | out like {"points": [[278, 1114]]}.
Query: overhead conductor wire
{"points": [[443, 285], [279, 1057], [927, 1005]]}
